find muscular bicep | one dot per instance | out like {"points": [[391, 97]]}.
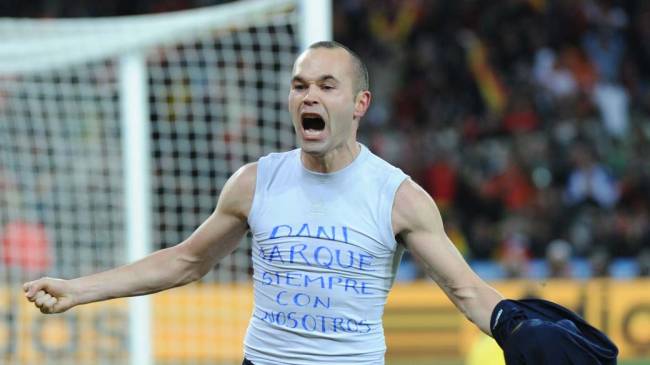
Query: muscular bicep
{"points": [[418, 223], [222, 231]]}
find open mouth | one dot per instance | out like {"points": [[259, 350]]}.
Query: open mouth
{"points": [[312, 122]]}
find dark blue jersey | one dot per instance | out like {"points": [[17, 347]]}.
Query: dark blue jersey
{"points": [[539, 332]]}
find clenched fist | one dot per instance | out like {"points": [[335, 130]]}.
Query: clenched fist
{"points": [[50, 295]]}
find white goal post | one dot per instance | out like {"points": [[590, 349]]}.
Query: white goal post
{"points": [[116, 135]]}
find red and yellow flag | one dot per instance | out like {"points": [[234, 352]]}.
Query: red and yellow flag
{"points": [[490, 86]]}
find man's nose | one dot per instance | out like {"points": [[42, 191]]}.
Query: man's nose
{"points": [[311, 95]]}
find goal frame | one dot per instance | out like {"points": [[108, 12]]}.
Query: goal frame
{"points": [[315, 24]]}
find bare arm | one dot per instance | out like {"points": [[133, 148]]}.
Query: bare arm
{"points": [[188, 261], [417, 222]]}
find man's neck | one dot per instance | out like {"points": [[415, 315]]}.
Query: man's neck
{"points": [[332, 161]]}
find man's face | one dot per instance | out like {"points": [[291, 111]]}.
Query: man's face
{"points": [[324, 105]]}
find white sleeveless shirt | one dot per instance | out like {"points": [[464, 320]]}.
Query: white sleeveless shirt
{"points": [[324, 258]]}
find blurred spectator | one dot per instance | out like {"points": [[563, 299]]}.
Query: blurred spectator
{"points": [[514, 251], [521, 115], [441, 179], [644, 262], [510, 185], [515, 256], [599, 261], [605, 45], [482, 239], [455, 233], [554, 76], [604, 42], [589, 180], [558, 258], [612, 101]]}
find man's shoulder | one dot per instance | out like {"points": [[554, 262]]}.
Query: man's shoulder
{"points": [[413, 207], [376, 162], [243, 180], [270, 164], [237, 195], [246, 174], [409, 195]]}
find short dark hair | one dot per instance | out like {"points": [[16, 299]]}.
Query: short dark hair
{"points": [[360, 69]]}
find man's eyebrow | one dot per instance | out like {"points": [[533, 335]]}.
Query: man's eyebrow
{"points": [[328, 77]]}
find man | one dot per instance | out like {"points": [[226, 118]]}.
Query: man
{"points": [[329, 223]]}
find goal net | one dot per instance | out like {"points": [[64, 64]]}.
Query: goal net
{"points": [[116, 136]]}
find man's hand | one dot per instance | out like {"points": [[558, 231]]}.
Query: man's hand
{"points": [[50, 295]]}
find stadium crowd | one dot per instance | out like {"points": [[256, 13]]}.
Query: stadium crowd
{"points": [[528, 121]]}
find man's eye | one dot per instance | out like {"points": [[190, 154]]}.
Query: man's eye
{"points": [[327, 87], [298, 87]]}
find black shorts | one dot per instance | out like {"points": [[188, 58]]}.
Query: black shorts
{"points": [[247, 362]]}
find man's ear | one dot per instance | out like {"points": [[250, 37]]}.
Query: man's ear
{"points": [[361, 103]]}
